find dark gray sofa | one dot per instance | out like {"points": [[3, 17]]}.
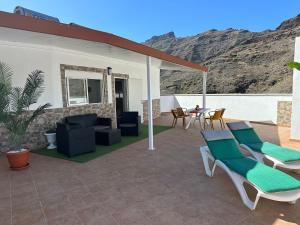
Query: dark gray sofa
{"points": [[76, 134]]}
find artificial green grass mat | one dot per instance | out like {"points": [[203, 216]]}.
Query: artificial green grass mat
{"points": [[102, 149]]}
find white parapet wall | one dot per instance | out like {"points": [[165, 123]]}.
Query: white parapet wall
{"points": [[253, 107], [295, 121]]}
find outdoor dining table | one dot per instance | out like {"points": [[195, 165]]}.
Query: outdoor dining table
{"points": [[196, 115]]}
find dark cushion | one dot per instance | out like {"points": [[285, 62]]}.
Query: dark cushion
{"points": [[101, 127], [87, 120], [109, 131], [127, 125], [73, 125], [108, 136], [130, 117]]}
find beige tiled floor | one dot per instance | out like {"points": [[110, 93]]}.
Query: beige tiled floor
{"points": [[134, 186]]}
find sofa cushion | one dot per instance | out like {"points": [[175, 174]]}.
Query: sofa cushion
{"points": [[127, 125], [87, 120], [100, 127]]}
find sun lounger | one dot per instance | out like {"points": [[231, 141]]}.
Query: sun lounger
{"points": [[248, 139], [270, 183]]}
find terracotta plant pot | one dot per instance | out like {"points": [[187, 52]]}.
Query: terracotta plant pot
{"points": [[18, 160]]}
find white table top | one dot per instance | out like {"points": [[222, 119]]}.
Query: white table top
{"points": [[199, 111]]}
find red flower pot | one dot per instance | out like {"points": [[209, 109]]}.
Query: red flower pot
{"points": [[18, 160]]}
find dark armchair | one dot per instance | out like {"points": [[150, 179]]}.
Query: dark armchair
{"points": [[76, 134], [128, 123], [72, 139]]}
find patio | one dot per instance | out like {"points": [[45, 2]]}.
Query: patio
{"points": [[135, 186]]}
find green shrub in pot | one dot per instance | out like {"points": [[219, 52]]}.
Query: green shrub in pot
{"points": [[14, 110]]}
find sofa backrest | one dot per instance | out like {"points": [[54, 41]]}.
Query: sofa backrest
{"points": [[129, 116], [86, 120]]}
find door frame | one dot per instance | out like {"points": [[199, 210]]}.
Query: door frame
{"points": [[125, 78]]}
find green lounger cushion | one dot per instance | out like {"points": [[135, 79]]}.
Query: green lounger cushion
{"points": [[281, 153], [251, 139], [264, 177], [224, 149], [246, 136]]}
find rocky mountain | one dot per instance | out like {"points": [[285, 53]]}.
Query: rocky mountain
{"points": [[239, 61]]}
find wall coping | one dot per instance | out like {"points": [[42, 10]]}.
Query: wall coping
{"points": [[240, 95]]}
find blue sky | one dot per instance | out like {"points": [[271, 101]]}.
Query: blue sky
{"points": [[140, 19]]}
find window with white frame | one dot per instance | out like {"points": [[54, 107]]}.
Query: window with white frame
{"points": [[83, 88], [94, 90]]}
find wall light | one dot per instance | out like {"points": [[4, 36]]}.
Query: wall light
{"points": [[109, 71]]}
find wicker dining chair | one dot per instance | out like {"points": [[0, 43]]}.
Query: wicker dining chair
{"points": [[179, 113], [222, 114], [216, 115], [174, 113]]}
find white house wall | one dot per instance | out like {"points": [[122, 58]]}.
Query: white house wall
{"points": [[24, 58], [135, 94], [262, 108], [295, 125]]}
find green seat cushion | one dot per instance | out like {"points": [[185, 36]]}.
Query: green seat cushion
{"points": [[224, 149], [281, 153], [264, 177], [251, 139], [246, 136]]}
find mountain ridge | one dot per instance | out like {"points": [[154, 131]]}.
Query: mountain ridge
{"points": [[239, 61]]}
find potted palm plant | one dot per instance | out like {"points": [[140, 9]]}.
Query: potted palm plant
{"points": [[14, 112]]}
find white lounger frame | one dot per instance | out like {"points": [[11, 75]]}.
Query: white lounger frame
{"points": [[238, 180], [276, 163]]}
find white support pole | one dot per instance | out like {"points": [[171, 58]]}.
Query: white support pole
{"points": [[150, 116], [204, 90]]}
